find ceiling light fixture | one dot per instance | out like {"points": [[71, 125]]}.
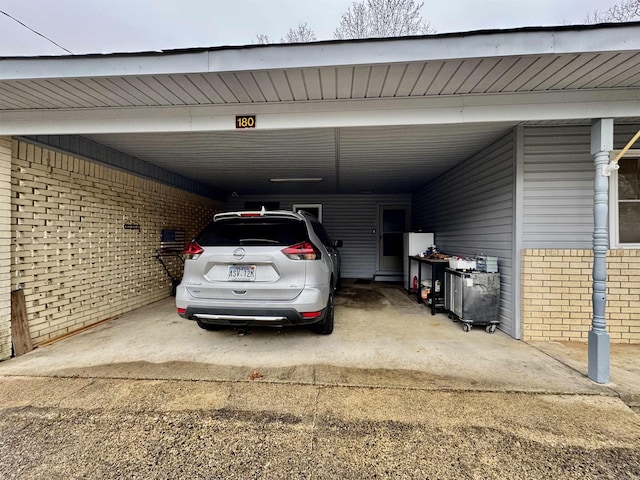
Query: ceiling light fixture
{"points": [[299, 179]]}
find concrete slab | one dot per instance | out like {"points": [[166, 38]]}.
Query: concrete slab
{"points": [[376, 342], [625, 366], [393, 393]]}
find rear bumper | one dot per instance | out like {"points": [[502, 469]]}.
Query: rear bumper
{"points": [[253, 313], [249, 317]]}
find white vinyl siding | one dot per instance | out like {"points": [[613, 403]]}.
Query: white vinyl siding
{"points": [[559, 185], [350, 218], [471, 209]]}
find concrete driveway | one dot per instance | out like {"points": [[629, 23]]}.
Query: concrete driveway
{"points": [[393, 393], [381, 337]]}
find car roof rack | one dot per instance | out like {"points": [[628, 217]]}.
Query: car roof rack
{"points": [[259, 213]]}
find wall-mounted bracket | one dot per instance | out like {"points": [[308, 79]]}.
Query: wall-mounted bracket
{"points": [[608, 168]]}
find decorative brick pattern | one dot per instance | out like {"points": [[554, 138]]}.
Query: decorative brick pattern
{"points": [[5, 247], [556, 295], [70, 251]]}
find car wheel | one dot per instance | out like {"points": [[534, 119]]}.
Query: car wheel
{"points": [[174, 287], [208, 326], [325, 327]]}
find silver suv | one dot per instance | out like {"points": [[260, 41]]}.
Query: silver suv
{"points": [[260, 268]]}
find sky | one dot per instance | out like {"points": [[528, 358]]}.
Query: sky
{"points": [[110, 26]]}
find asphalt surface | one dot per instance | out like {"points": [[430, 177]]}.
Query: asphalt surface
{"points": [[89, 407], [122, 428]]}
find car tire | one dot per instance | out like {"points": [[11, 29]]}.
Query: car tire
{"points": [[174, 287], [325, 327], [208, 326]]}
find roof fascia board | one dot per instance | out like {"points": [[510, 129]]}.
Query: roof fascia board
{"points": [[330, 54], [516, 107], [106, 66]]}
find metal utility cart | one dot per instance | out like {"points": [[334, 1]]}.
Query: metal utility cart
{"points": [[473, 298], [435, 300]]}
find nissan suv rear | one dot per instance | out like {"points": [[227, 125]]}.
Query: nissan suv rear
{"points": [[267, 268]]}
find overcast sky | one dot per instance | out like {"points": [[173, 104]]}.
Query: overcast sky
{"points": [[107, 26]]}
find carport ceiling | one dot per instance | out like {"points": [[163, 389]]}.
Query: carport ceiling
{"points": [[383, 116], [348, 160]]}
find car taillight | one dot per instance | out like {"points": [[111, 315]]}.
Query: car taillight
{"points": [[307, 315], [193, 251], [302, 251]]}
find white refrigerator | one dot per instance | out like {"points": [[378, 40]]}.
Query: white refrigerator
{"points": [[414, 244]]}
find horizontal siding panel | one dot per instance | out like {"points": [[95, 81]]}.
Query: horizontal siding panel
{"points": [[549, 164], [350, 218], [547, 195], [462, 201], [577, 177], [495, 214], [551, 216], [558, 187], [556, 237], [556, 153], [545, 203], [470, 210], [552, 184], [486, 245]]}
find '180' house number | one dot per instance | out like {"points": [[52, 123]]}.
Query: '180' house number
{"points": [[245, 121]]}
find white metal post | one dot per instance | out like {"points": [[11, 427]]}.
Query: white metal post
{"points": [[599, 342]]}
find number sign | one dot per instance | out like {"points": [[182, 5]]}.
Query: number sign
{"points": [[245, 121]]}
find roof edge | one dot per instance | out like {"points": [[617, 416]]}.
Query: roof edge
{"points": [[468, 33], [333, 53]]}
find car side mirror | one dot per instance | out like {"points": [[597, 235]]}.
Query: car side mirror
{"points": [[337, 244]]}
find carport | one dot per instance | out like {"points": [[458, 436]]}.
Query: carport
{"points": [[452, 129]]}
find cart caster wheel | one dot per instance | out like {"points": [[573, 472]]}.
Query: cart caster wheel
{"points": [[466, 327], [491, 328], [450, 316]]}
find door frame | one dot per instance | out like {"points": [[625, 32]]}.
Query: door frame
{"points": [[379, 231]]}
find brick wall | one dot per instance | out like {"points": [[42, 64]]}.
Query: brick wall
{"points": [[70, 252], [556, 295], [5, 247]]}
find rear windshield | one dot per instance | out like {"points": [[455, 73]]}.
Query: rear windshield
{"points": [[253, 231]]}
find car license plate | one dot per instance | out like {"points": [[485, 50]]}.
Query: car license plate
{"points": [[242, 273]]}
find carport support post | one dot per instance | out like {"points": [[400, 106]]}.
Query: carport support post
{"points": [[599, 349]]}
